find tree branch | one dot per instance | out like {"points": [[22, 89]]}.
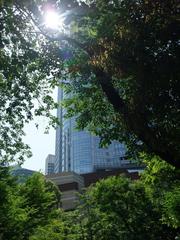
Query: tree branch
{"points": [[134, 120], [111, 93]]}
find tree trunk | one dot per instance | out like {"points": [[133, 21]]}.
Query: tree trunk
{"points": [[135, 121]]}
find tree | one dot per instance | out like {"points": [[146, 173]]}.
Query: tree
{"points": [[126, 77], [41, 199], [53, 231], [161, 182], [123, 73], [25, 207], [116, 208], [12, 215], [64, 227], [26, 81]]}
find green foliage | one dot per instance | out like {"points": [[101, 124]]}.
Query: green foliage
{"points": [[121, 62], [117, 208], [12, 215], [114, 208], [63, 228], [27, 77], [52, 231], [171, 207], [41, 199], [161, 181], [24, 207], [125, 77]]}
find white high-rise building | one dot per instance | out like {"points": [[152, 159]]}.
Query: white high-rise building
{"points": [[79, 151], [49, 166]]}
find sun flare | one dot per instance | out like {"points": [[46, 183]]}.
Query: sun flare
{"points": [[53, 20]]}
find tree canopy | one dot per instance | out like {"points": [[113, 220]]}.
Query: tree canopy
{"points": [[25, 207], [118, 208], [25, 79], [127, 79], [114, 208], [118, 58]]}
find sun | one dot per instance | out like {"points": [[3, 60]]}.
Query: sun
{"points": [[53, 20]]}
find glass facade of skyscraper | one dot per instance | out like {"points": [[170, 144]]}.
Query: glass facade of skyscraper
{"points": [[58, 145], [79, 151], [49, 167]]}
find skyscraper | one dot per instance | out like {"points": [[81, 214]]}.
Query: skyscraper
{"points": [[79, 151], [50, 162], [58, 144]]}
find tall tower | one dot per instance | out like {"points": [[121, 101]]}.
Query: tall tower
{"points": [[49, 167], [58, 144], [79, 151]]}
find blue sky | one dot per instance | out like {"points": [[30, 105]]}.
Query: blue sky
{"points": [[41, 144]]}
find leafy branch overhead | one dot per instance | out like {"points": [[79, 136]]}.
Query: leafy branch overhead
{"points": [[120, 59]]}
